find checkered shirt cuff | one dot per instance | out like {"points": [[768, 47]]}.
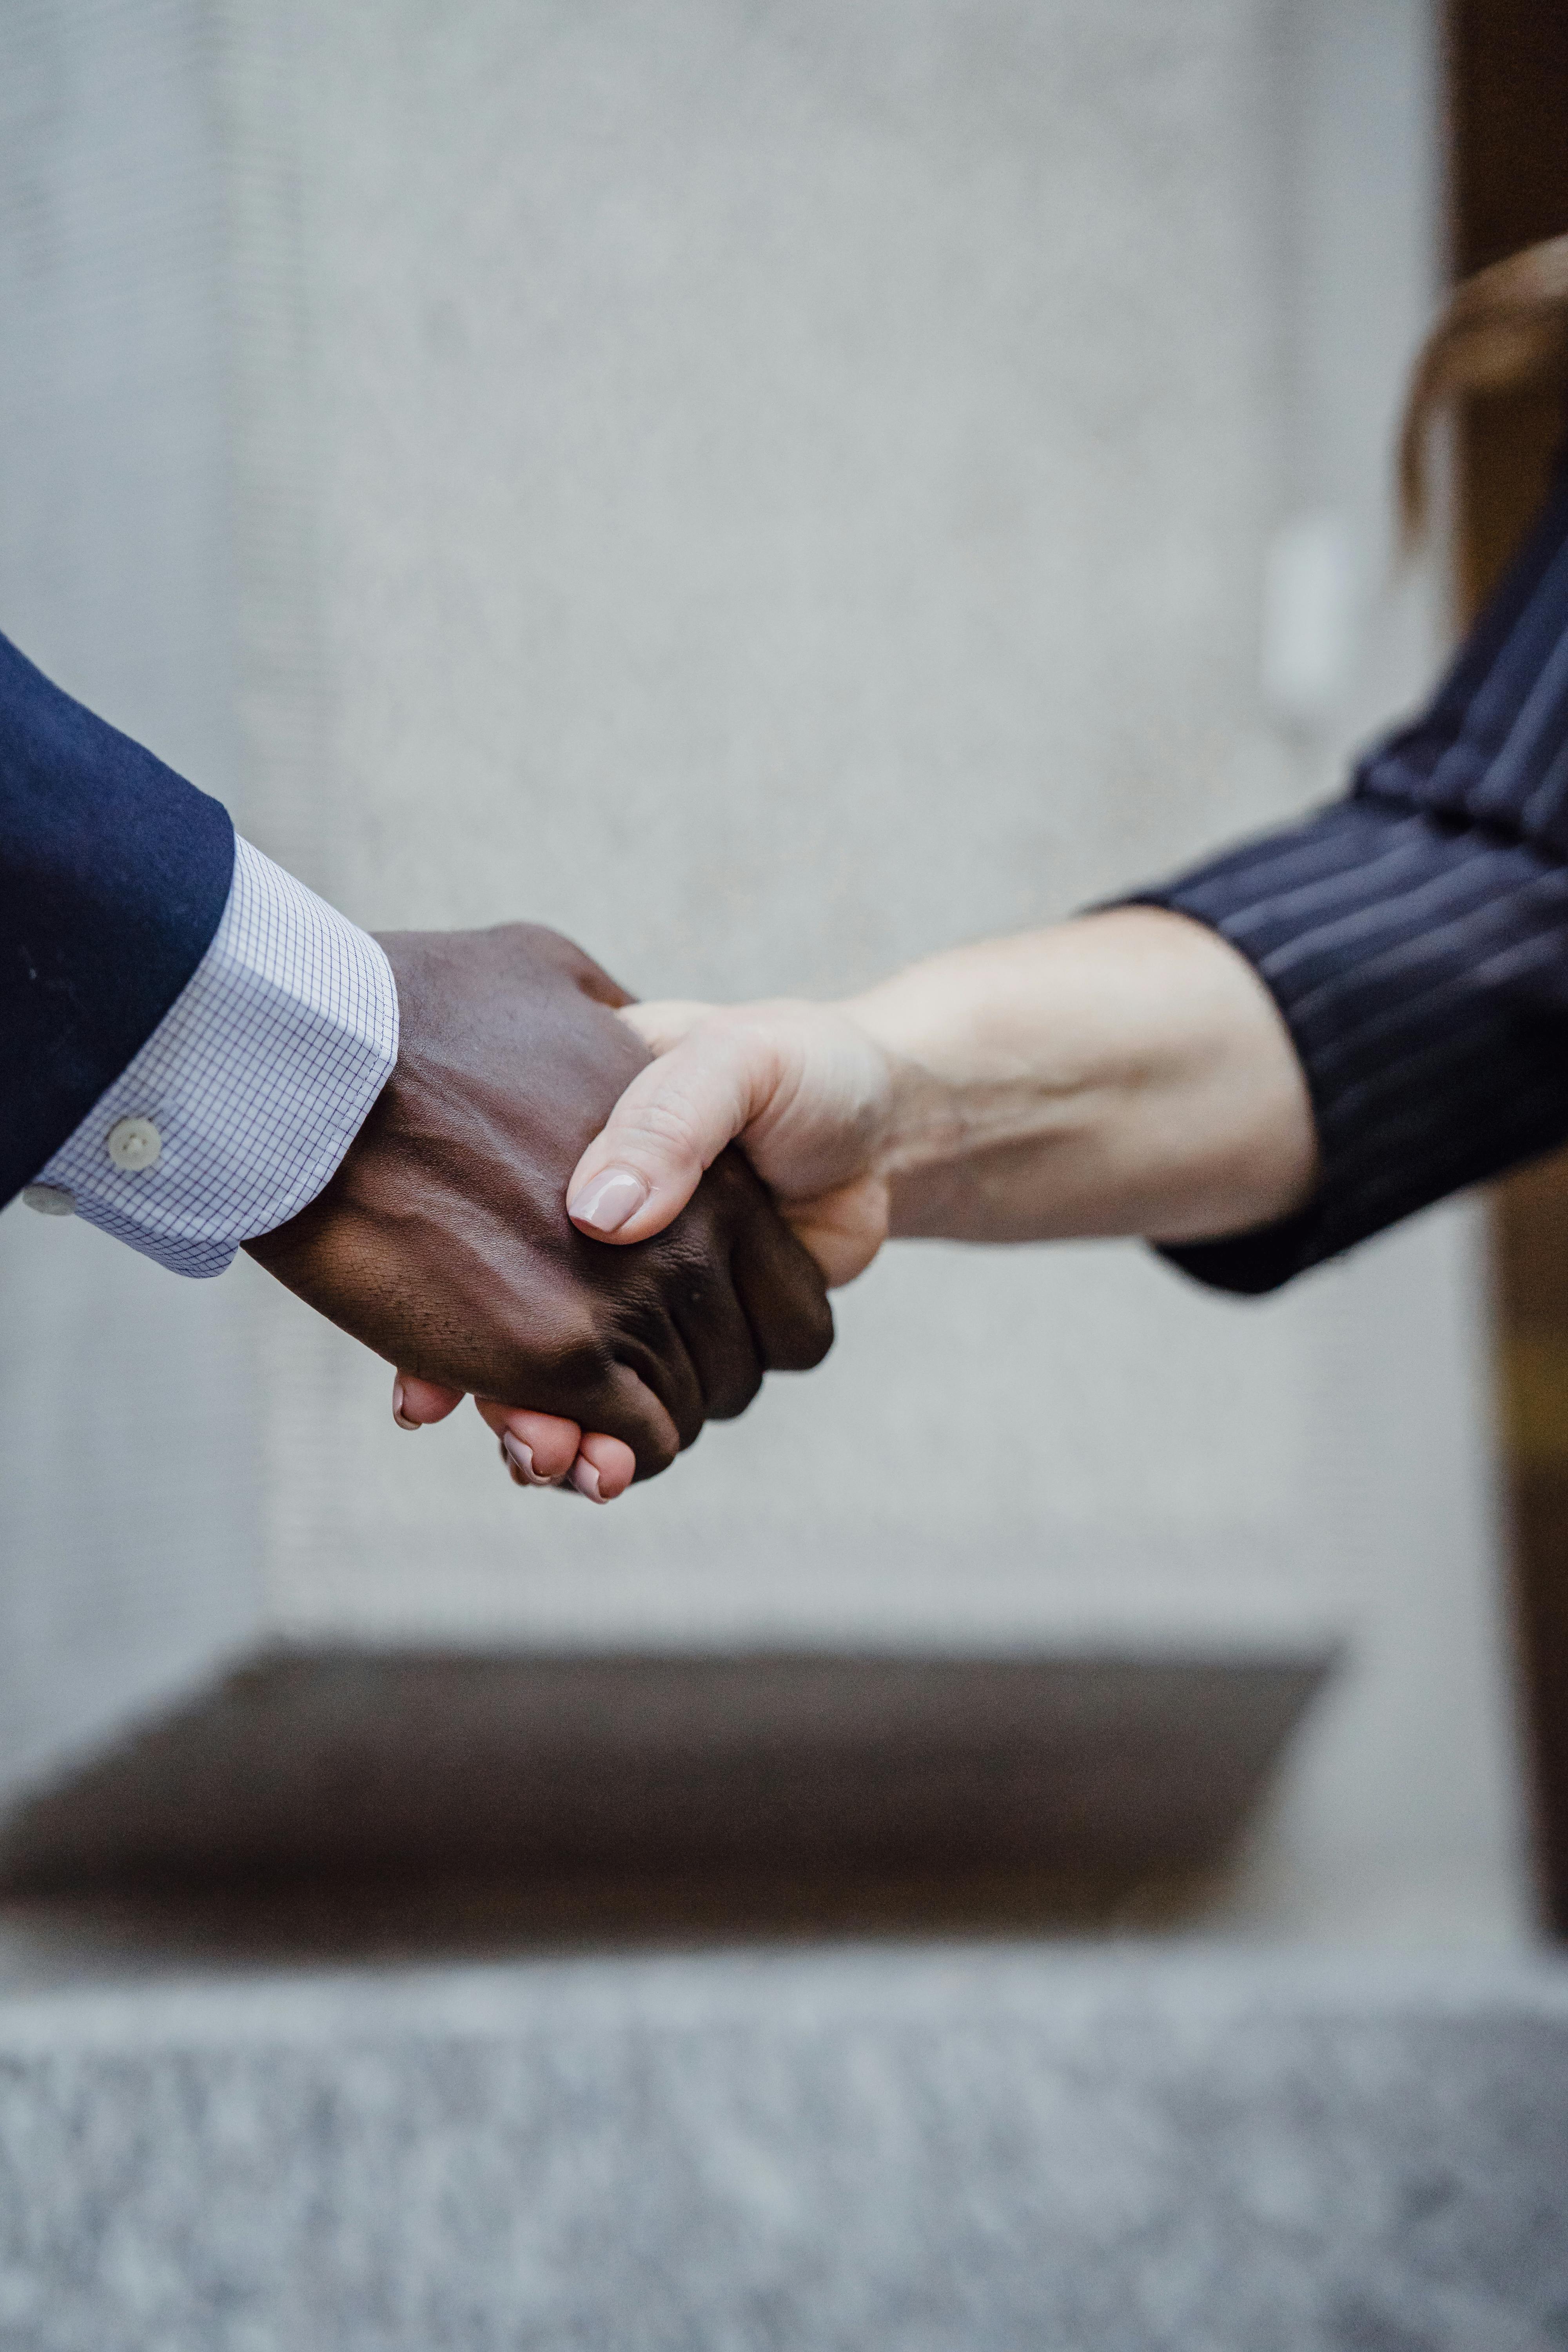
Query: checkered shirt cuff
{"points": [[250, 1089]]}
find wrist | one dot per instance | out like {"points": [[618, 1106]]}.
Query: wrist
{"points": [[982, 1048], [1110, 1075], [916, 1116]]}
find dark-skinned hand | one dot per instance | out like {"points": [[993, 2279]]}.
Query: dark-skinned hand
{"points": [[443, 1241]]}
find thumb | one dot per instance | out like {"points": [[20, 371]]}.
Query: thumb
{"points": [[669, 1127]]}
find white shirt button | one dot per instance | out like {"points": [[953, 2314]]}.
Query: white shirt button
{"points": [[133, 1144], [49, 1200]]}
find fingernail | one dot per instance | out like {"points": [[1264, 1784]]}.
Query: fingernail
{"points": [[398, 1415], [519, 1457], [610, 1201], [585, 1478]]}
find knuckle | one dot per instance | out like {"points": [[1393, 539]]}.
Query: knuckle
{"points": [[735, 1389], [569, 1361], [799, 1334], [654, 1458]]}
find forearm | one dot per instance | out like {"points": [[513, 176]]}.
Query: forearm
{"points": [[1125, 1072]]}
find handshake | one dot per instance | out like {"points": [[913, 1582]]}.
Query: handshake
{"points": [[547, 1210], [595, 1264]]}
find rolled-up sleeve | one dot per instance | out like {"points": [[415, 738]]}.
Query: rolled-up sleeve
{"points": [[1414, 937]]}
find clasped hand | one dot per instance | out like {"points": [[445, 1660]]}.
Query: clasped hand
{"points": [[549, 1208], [443, 1243]]}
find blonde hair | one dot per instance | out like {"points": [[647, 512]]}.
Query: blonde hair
{"points": [[1504, 329]]}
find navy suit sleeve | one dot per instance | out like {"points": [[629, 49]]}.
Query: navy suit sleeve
{"points": [[1414, 937], [114, 877]]}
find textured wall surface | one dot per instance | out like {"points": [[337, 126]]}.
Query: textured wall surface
{"points": [[832, 450], [130, 1533], [772, 491], [845, 2151]]}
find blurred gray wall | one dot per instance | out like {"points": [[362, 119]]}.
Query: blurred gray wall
{"points": [[772, 490]]}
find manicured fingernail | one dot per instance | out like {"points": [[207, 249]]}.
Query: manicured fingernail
{"points": [[519, 1457], [398, 1415], [585, 1478], [609, 1201]]}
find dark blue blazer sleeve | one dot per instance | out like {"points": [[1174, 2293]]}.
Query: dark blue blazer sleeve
{"points": [[1414, 937], [115, 873]]}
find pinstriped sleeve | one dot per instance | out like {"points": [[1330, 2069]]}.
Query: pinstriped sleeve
{"points": [[1414, 937]]}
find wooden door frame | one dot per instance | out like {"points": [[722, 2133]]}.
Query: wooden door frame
{"points": [[1507, 99]]}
